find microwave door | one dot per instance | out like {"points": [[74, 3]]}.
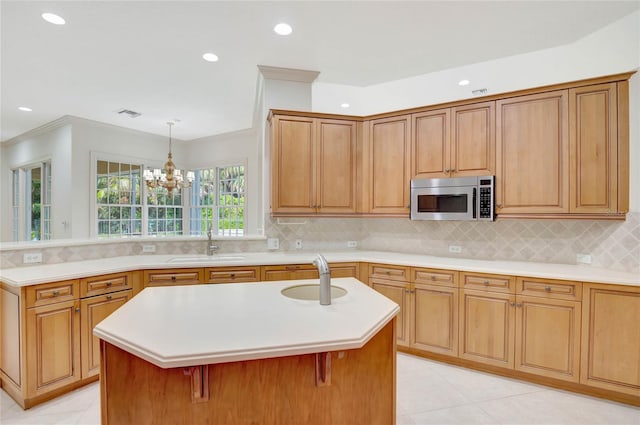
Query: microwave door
{"points": [[448, 203]]}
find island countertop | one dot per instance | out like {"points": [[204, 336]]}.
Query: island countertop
{"points": [[32, 275], [182, 326]]}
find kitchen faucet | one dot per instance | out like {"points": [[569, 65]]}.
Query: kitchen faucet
{"points": [[211, 248], [325, 279]]}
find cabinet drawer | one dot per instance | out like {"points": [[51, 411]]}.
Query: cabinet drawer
{"points": [[232, 274], [434, 277], [98, 285], [488, 282], [173, 277], [384, 271], [559, 289], [290, 272], [50, 293]]}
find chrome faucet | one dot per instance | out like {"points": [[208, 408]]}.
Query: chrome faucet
{"points": [[325, 279], [211, 248]]}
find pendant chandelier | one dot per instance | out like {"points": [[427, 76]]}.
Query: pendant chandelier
{"points": [[168, 177]]}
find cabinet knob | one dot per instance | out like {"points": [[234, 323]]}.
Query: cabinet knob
{"points": [[433, 277], [56, 293], [498, 205], [519, 305], [512, 304], [173, 278], [486, 283], [108, 284], [547, 288], [233, 275], [77, 310], [108, 297], [446, 170]]}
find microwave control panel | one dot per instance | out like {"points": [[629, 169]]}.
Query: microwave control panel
{"points": [[486, 201]]}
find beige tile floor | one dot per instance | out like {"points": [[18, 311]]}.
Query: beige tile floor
{"points": [[428, 393]]}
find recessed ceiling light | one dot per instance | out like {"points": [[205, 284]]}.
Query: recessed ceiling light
{"points": [[283, 29], [210, 57], [344, 105], [463, 82], [25, 109], [52, 18]]}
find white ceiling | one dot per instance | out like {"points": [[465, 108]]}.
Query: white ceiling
{"points": [[146, 55]]}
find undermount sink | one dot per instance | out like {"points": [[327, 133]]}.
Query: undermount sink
{"points": [[206, 258], [311, 292]]}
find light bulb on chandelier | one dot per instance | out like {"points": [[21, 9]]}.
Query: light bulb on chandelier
{"points": [[168, 177]]}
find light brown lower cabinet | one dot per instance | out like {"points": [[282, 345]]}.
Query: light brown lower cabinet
{"points": [[398, 292], [93, 311], [434, 318], [307, 271], [611, 338]]}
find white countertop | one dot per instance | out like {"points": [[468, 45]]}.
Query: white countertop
{"points": [[24, 276], [193, 325]]}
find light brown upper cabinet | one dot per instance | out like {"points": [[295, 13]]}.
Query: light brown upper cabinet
{"points": [[313, 166], [454, 142], [532, 154], [389, 165], [594, 150]]}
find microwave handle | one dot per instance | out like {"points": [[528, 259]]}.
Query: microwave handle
{"points": [[475, 203]]}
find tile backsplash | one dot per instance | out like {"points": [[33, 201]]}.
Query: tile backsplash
{"points": [[611, 244]]}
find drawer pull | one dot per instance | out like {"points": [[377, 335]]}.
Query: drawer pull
{"points": [[56, 293], [233, 275], [77, 310], [547, 288], [108, 284], [173, 278], [486, 283], [512, 304], [108, 297], [388, 272], [519, 305], [433, 277]]}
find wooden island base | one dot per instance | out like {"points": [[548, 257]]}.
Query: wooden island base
{"points": [[347, 387]]}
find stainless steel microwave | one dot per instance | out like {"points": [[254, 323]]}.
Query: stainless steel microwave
{"points": [[460, 198]]}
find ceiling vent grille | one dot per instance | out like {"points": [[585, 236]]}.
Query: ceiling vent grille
{"points": [[479, 92], [130, 113]]}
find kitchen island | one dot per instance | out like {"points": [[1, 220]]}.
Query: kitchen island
{"points": [[245, 353]]}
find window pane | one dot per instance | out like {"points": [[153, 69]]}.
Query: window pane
{"points": [[118, 199]]}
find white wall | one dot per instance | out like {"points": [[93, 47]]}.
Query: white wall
{"points": [[49, 142], [611, 50]]}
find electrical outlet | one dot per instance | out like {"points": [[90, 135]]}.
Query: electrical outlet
{"points": [[148, 248], [298, 243], [32, 257], [273, 243], [456, 249], [352, 244], [583, 258]]}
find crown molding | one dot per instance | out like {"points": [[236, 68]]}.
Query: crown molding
{"points": [[45, 128]]}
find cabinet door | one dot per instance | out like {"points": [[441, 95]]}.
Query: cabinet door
{"points": [[292, 170], [611, 338], [93, 311], [594, 149], [430, 144], [532, 154], [548, 337], [487, 326], [397, 292], [52, 346], [336, 167], [390, 171], [473, 140], [434, 321]]}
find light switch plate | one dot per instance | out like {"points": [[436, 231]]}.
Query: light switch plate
{"points": [[148, 248], [456, 249], [583, 258], [32, 257], [352, 244], [298, 243], [273, 243]]}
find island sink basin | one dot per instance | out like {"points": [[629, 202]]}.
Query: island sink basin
{"points": [[205, 258], [311, 292]]}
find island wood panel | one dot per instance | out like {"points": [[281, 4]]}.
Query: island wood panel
{"points": [[547, 337], [93, 311], [532, 154], [276, 391], [293, 166], [10, 336], [390, 166], [594, 149], [473, 140], [611, 338], [397, 292], [434, 325], [336, 167]]}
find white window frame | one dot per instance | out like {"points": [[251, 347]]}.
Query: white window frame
{"points": [[21, 203]]}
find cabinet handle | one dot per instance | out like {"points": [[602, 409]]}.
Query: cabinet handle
{"points": [[519, 305], [233, 275], [173, 278], [498, 205], [56, 293], [108, 284], [407, 291], [108, 297], [486, 283], [433, 277], [446, 170], [547, 288], [77, 310]]}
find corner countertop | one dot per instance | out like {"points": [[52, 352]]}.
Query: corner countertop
{"points": [[182, 326], [31, 275]]}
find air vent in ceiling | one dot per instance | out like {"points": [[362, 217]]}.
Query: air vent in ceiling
{"points": [[130, 113], [479, 92]]}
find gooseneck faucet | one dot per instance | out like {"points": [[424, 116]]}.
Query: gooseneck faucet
{"points": [[325, 279], [211, 248]]}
